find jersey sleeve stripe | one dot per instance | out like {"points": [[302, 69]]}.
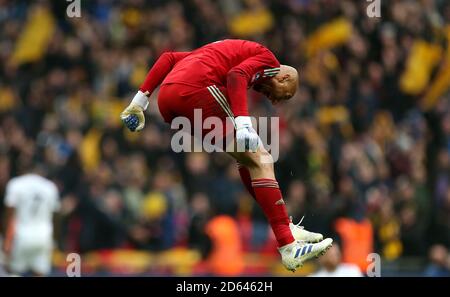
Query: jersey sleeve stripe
{"points": [[272, 69], [271, 72]]}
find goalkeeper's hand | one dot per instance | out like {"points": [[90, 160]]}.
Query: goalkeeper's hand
{"points": [[246, 137], [133, 116]]}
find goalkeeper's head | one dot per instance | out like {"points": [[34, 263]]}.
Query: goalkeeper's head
{"points": [[282, 86]]}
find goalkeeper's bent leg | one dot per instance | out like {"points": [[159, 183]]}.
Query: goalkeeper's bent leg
{"points": [[266, 192]]}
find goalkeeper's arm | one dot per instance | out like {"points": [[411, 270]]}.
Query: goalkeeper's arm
{"points": [[133, 115]]}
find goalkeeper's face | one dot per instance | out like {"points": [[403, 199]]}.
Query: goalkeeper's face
{"points": [[281, 87]]}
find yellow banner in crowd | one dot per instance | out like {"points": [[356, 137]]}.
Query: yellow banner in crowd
{"points": [[423, 58], [329, 35], [32, 43], [251, 22], [442, 81]]}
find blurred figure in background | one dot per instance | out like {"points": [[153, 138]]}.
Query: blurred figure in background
{"points": [[332, 265], [200, 214], [439, 262], [2, 261], [31, 201], [226, 257], [2, 272]]}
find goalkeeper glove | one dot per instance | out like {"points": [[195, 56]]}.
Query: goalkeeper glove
{"points": [[246, 137], [133, 116]]}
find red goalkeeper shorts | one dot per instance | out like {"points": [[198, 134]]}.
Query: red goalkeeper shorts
{"points": [[200, 106]]}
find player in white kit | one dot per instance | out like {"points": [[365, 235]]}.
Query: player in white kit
{"points": [[31, 201]]}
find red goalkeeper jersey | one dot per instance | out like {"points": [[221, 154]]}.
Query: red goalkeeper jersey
{"points": [[233, 64]]}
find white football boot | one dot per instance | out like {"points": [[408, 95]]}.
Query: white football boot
{"points": [[301, 234], [295, 254]]}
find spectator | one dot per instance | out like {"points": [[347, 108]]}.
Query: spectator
{"points": [[438, 266], [331, 265]]}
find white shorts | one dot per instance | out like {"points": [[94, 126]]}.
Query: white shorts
{"points": [[31, 256]]}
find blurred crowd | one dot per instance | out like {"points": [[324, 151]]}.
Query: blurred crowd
{"points": [[364, 144]]}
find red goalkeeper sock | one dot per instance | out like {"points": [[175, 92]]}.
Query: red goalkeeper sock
{"points": [[269, 197], [246, 179]]}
